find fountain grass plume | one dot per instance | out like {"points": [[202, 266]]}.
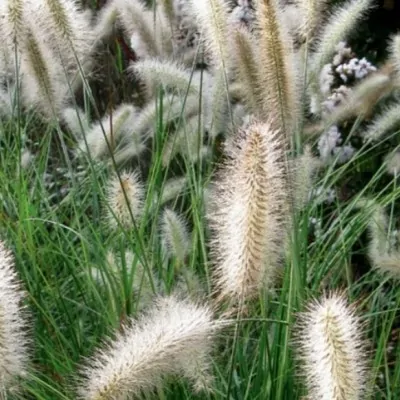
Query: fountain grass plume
{"points": [[331, 349], [277, 79], [104, 137], [246, 68], [250, 214], [167, 74], [125, 199], [212, 18], [384, 258], [174, 338], [312, 12], [383, 123], [14, 329], [175, 236]]}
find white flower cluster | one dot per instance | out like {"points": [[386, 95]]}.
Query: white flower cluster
{"points": [[333, 78], [344, 68], [329, 147], [355, 68]]}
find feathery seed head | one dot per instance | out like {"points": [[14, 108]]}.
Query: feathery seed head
{"points": [[246, 68], [363, 98], [107, 135], [42, 80], [173, 107], [14, 344], [311, 12], [250, 213], [331, 349], [172, 189], [383, 123], [392, 162], [168, 74], [212, 18], [149, 30], [76, 120], [125, 196], [66, 28], [383, 254], [175, 236], [13, 23], [277, 74], [187, 140], [303, 173], [173, 338], [395, 53], [106, 21]]}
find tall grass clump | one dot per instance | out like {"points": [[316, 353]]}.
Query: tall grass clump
{"points": [[201, 200]]}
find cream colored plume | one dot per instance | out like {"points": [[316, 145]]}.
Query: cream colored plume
{"points": [[249, 213], [276, 68], [14, 329], [212, 17], [331, 349], [125, 197], [384, 256], [174, 338]]}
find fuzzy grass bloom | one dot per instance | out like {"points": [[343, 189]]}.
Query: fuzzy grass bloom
{"points": [[276, 67], [13, 326], [212, 18], [175, 236], [166, 74], [384, 123], [173, 338], [249, 214], [382, 252], [111, 133], [331, 349], [125, 196]]}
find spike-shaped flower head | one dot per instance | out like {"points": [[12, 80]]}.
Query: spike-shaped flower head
{"points": [[125, 195], [382, 252], [277, 75], [173, 338], [111, 133], [175, 236], [212, 19], [332, 350], [250, 213], [13, 326]]}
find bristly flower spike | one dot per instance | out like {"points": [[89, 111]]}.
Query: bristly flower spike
{"points": [[331, 349], [277, 74], [250, 214], [212, 17], [125, 197], [14, 343], [175, 236], [174, 338]]}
